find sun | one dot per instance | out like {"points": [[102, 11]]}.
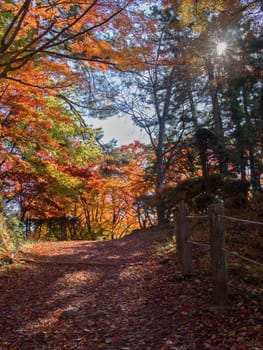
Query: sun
{"points": [[221, 48]]}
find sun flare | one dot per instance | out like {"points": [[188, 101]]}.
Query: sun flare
{"points": [[221, 47]]}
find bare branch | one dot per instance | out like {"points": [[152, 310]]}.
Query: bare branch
{"points": [[43, 87]]}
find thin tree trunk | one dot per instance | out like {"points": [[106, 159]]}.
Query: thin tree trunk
{"points": [[218, 127], [255, 176], [160, 166], [192, 105]]}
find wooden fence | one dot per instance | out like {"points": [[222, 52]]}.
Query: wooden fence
{"points": [[216, 245]]}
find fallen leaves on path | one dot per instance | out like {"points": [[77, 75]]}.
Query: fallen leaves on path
{"points": [[118, 295]]}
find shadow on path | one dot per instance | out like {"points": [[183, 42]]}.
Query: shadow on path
{"points": [[115, 295], [80, 295]]}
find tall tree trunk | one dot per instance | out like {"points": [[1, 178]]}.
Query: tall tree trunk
{"points": [[160, 166], [160, 172], [160, 207], [242, 163], [255, 175], [192, 104], [218, 127], [253, 162]]}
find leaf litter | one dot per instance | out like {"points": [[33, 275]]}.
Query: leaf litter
{"points": [[119, 295]]}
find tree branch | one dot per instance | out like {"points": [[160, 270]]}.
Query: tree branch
{"points": [[38, 86], [21, 13]]}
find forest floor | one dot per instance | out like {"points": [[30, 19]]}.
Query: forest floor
{"points": [[124, 294]]}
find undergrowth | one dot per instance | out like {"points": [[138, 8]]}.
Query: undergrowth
{"points": [[246, 240], [11, 237], [166, 248]]}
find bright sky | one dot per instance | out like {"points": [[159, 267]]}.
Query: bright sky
{"points": [[121, 129]]}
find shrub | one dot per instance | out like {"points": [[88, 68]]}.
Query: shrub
{"points": [[202, 201], [11, 234], [235, 188], [235, 194], [256, 203]]}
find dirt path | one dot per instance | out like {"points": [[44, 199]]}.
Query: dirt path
{"points": [[113, 295]]}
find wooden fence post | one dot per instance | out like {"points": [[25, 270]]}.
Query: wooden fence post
{"points": [[183, 247], [218, 254]]}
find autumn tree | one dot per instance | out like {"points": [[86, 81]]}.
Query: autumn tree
{"points": [[233, 25], [185, 90], [158, 98], [54, 75], [50, 33], [103, 206], [46, 147], [122, 176]]}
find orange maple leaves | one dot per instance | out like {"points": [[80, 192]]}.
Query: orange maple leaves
{"points": [[46, 164]]}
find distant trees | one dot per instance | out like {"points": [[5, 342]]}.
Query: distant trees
{"points": [[102, 206]]}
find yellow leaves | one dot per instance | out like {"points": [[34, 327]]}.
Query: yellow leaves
{"points": [[195, 13], [63, 180]]}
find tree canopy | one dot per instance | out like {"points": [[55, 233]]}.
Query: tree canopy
{"points": [[188, 73]]}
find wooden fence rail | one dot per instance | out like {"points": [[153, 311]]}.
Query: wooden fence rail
{"points": [[216, 245]]}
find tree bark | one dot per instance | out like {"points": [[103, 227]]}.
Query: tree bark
{"points": [[218, 127]]}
